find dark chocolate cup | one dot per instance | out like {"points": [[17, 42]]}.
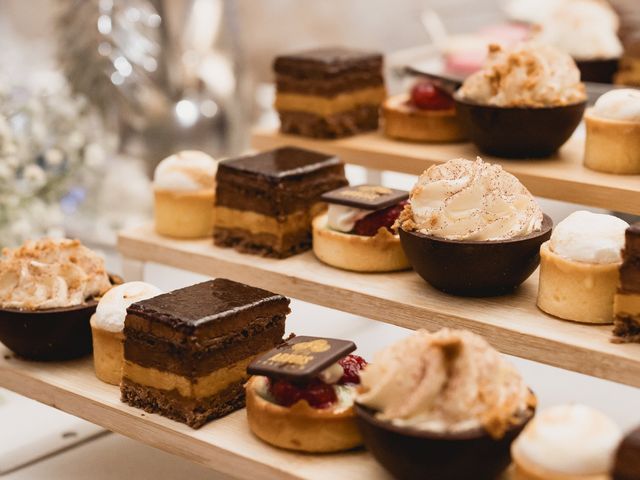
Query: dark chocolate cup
{"points": [[475, 268], [518, 132], [51, 334], [598, 70], [410, 454]]}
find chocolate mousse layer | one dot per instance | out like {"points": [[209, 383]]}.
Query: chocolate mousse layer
{"points": [[186, 351], [329, 92], [265, 202], [626, 306]]}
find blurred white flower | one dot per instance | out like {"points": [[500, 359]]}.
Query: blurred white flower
{"points": [[54, 157], [35, 176], [6, 172], [75, 140], [94, 155], [11, 161]]}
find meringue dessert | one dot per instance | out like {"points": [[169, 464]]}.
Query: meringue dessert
{"points": [[107, 325], [356, 232], [431, 399], [588, 31], [470, 200], [579, 267], [525, 103], [529, 75], [450, 381], [566, 442], [426, 114], [613, 133], [51, 273], [472, 229], [184, 186], [49, 289]]}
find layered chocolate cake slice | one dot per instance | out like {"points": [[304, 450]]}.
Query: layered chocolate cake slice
{"points": [[186, 352], [626, 306], [265, 202], [329, 92]]}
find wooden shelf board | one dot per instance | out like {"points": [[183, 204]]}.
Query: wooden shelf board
{"points": [[561, 177], [512, 323], [225, 445]]}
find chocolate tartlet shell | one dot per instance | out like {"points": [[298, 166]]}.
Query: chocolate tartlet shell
{"points": [[414, 454], [514, 132], [598, 70], [475, 268], [52, 334]]}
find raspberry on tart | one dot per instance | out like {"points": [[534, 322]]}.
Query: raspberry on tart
{"points": [[304, 408], [356, 232], [425, 114]]}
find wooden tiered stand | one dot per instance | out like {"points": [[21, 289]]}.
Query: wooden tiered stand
{"points": [[511, 323]]}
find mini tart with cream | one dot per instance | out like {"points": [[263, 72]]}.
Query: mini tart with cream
{"points": [[613, 133], [184, 186], [426, 114], [566, 442], [107, 325], [579, 267], [313, 415], [355, 233]]}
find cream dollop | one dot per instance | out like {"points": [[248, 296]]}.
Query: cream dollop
{"points": [[342, 218], [589, 237], [112, 307], [584, 29], [50, 273], [188, 170], [471, 200], [568, 439], [447, 381], [622, 104], [526, 75]]}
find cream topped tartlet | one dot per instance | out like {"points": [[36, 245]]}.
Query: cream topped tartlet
{"points": [[184, 186], [579, 267], [566, 442], [613, 133], [107, 325]]}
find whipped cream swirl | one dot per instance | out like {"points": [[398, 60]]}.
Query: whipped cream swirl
{"points": [[189, 170], [448, 381], [471, 200], [589, 237], [526, 75], [50, 273]]}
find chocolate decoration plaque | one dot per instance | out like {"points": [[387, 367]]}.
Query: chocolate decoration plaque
{"points": [[366, 197], [301, 358]]}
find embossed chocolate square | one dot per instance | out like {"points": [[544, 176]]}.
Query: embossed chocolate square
{"points": [[301, 358], [366, 197]]}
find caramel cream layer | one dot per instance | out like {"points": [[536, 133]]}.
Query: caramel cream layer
{"points": [[257, 223], [324, 106], [628, 303], [199, 387]]}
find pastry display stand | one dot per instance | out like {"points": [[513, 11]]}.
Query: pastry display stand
{"points": [[511, 323]]}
